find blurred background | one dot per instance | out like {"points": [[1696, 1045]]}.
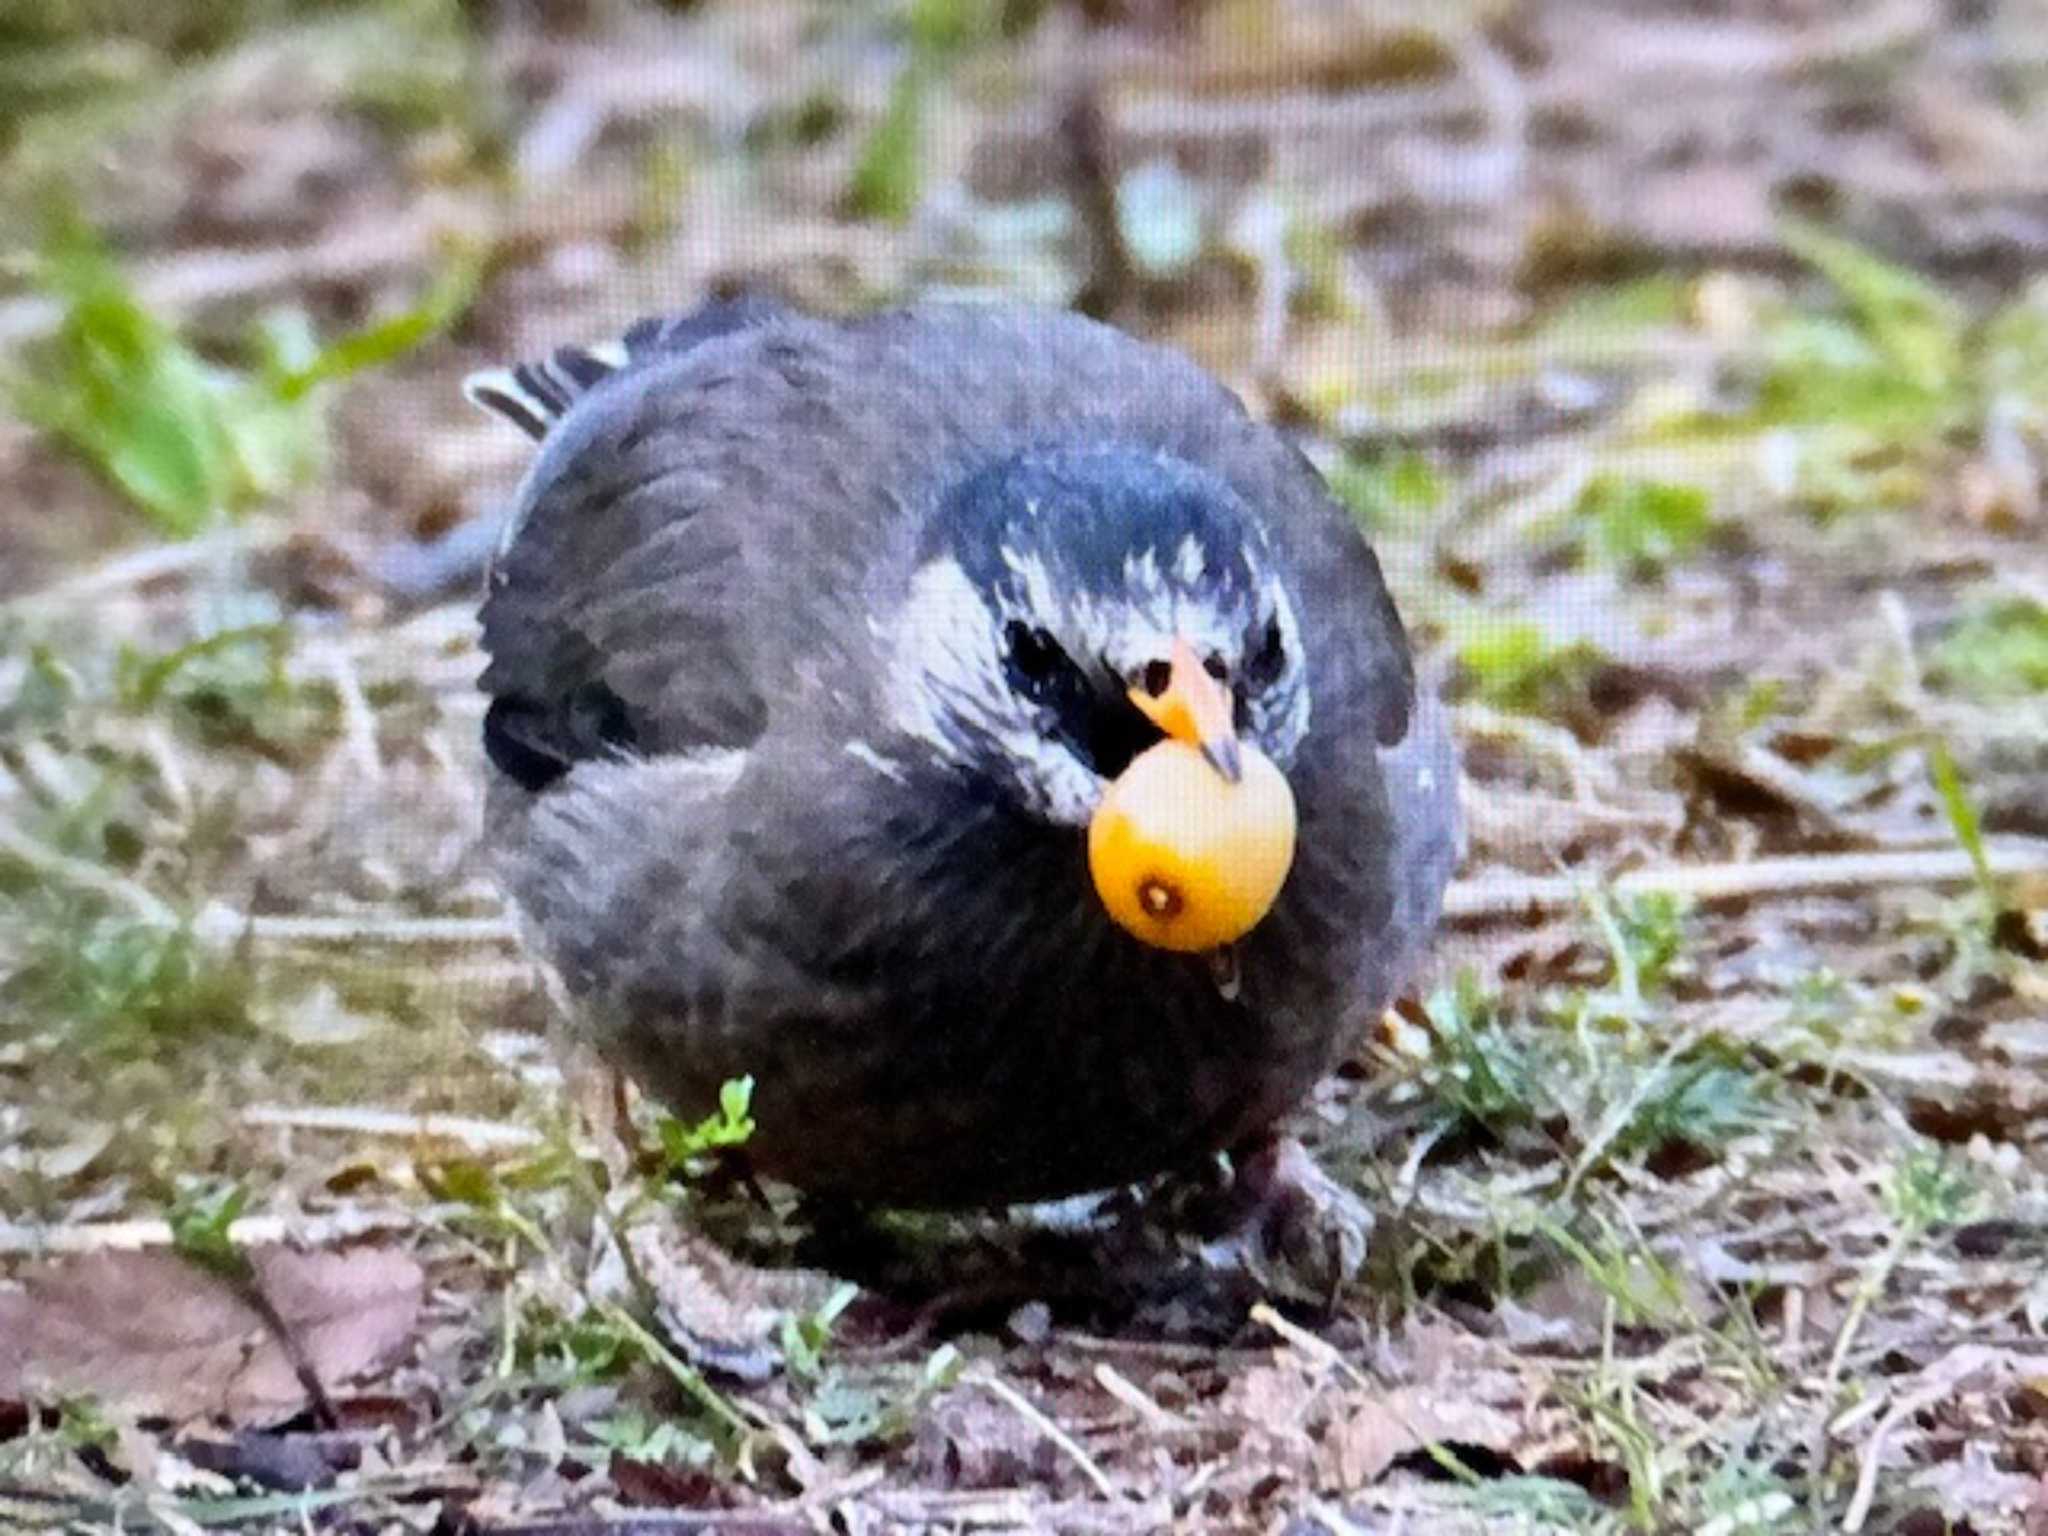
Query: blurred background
{"points": [[1687, 361]]}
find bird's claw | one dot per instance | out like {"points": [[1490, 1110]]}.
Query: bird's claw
{"points": [[1298, 1232]]}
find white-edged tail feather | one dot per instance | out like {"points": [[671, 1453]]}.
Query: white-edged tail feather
{"points": [[534, 395]]}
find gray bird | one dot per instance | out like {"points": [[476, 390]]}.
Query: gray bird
{"points": [[815, 649]]}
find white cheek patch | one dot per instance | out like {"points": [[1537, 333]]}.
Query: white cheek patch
{"points": [[947, 686]]}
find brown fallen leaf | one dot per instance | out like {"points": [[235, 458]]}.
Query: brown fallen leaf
{"points": [[148, 1333], [1376, 1432], [724, 1315]]}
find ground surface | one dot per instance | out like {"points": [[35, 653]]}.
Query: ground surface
{"points": [[1711, 1160]]}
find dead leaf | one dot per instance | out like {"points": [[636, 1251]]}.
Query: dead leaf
{"points": [[969, 1440], [1375, 1432], [150, 1334], [724, 1315], [1274, 1397]]}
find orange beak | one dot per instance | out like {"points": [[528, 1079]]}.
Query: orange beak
{"points": [[1196, 709]]}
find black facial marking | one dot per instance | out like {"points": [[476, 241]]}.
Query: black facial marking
{"points": [[1036, 661], [1075, 551], [1114, 733], [1267, 658], [1101, 725]]}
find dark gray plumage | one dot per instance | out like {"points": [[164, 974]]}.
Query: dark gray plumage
{"points": [[759, 819]]}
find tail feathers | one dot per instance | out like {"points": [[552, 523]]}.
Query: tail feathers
{"points": [[533, 396]]}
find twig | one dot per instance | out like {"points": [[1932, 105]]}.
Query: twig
{"points": [[1870, 1462], [1135, 1398], [225, 926], [27, 1238], [1045, 1426], [484, 1135], [1938, 1382], [1266, 1315], [1509, 896], [241, 1278]]}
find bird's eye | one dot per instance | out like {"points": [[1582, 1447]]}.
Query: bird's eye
{"points": [[1156, 678], [1035, 658], [1268, 661], [1217, 668]]}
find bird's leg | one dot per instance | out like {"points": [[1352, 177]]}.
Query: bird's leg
{"points": [[1295, 1226]]}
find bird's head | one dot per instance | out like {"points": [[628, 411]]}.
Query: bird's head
{"points": [[1101, 639]]}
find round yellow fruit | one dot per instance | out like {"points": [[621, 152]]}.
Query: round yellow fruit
{"points": [[1183, 858]]}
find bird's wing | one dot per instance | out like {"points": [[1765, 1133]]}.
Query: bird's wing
{"points": [[616, 601]]}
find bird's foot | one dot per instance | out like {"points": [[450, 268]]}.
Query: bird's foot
{"points": [[1292, 1227]]}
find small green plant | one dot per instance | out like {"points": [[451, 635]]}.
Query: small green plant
{"points": [[1644, 525], [1868, 395], [1390, 492], [1482, 1069], [119, 985], [888, 178], [562, 1350], [805, 1337], [1646, 936], [1964, 821], [687, 1149], [1516, 666], [201, 1220], [1896, 356], [1997, 651], [231, 688], [1930, 1189], [595, 1336], [1643, 1290], [1591, 1076], [879, 1408], [1704, 1098], [187, 440], [129, 397], [641, 1437]]}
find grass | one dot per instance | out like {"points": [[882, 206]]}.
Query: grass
{"points": [[1997, 651], [1593, 1085], [187, 440], [1647, 1178], [1644, 526], [1514, 665], [1598, 1075], [1390, 491]]}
